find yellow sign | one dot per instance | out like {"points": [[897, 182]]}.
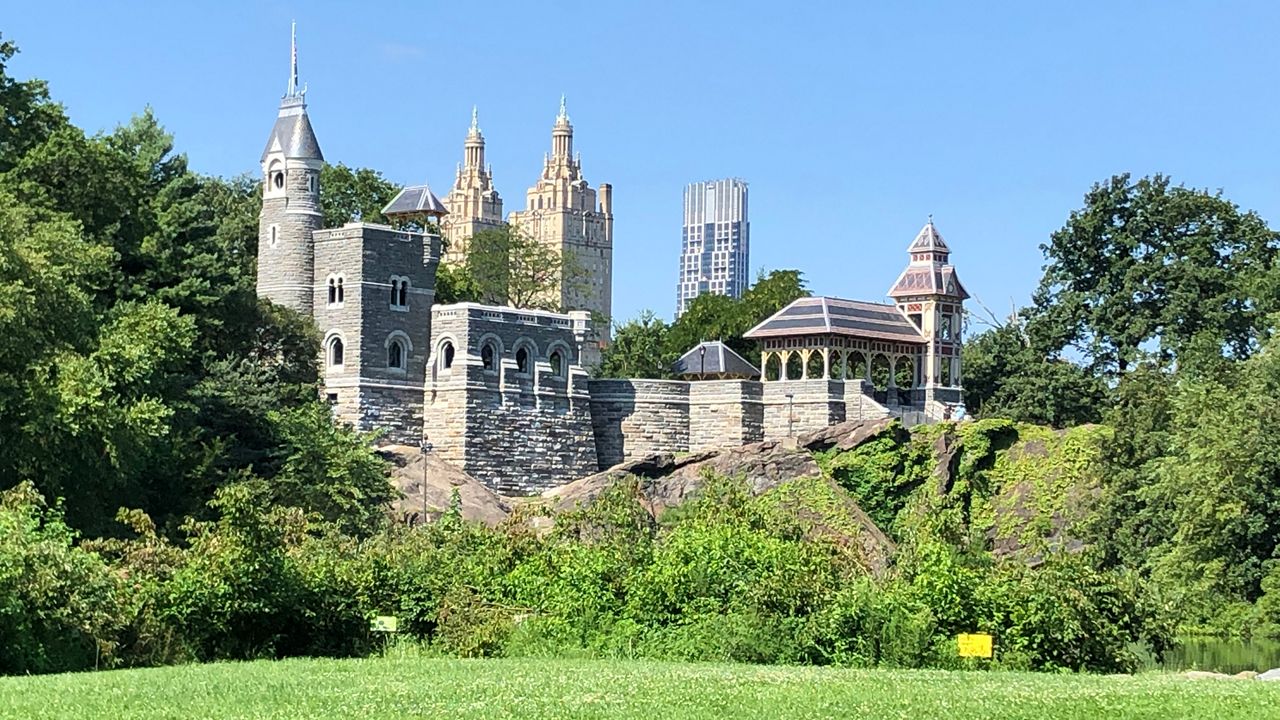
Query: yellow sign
{"points": [[974, 645], [384, 623]]}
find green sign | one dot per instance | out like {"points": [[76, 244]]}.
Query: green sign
{"points": [[384, 623]]}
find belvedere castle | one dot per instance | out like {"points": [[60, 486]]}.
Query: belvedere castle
{"points": [[505, 393]]}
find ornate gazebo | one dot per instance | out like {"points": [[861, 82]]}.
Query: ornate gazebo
{"points": [[817, 338]]}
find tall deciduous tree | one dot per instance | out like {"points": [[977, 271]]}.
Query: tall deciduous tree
{"points": [[1004, 376], [639, 350], [1148, 267], [348, 194], [509, 267]]}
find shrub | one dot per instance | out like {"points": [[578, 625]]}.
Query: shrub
{"points": [[58, 602]]}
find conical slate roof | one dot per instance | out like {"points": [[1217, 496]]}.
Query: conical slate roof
{"points": [[714, 358], [415, 200], [292, 133]]}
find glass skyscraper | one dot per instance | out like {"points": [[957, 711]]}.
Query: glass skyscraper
{"points": [[715, 244]]}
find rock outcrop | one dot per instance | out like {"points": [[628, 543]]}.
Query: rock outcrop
{"points": [[667, 481], [427, 484]]}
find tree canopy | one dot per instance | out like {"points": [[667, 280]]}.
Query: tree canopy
{"points": [[647, 346]]}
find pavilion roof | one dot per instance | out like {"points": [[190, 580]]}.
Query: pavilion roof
{"points": [[836, 316], [714, 358]]}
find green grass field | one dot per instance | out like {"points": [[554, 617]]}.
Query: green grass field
{"points": [[528, 688]]}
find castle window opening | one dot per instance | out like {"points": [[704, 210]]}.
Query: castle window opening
{"points": [[278, 181], [341, 292], [487, 357], [395, 355], [403, 300], [311, 183], [522, 361], [557, 364], [275, 231], [446, 356], [335, 352]]}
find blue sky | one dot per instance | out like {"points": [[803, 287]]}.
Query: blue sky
{"points": [[852, 122]]}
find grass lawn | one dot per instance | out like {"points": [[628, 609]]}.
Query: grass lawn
{"points": [[529, 688]]}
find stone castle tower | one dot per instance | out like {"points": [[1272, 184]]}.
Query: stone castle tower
{"points": [[290, 214], [930, 295], [473, 203], [561, 211], [368, 287]]}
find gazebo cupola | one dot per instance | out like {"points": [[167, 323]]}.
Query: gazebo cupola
{"points": [[929, 294]]}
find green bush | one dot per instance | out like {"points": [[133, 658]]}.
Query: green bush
{"points": [[58, 602]]}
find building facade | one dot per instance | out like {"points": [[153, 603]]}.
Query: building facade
{"points": [[715, 249], [564, 213], [473, 203]]}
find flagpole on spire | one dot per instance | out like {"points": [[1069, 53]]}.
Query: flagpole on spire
{"points": [[564, 111], [475, 119]]}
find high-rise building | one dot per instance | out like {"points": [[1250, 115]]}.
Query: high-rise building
{"points": [[715, 246], [561, 211], [474, 205]]}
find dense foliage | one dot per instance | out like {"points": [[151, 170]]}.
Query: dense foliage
{"points": [[645, 347]]}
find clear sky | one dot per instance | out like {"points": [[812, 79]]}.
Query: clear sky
{"points": [[852, 122]]}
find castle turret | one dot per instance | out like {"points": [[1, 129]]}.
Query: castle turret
{"points": [[291, 164], [930, 295]]}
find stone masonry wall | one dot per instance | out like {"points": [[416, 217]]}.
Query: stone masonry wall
{"points": [[517, 430], [725, 413], [813, 405], [365, 389], [634, 418]]}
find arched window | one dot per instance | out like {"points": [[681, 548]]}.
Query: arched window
{"points": [[489, 357], [335, 352], [333, 291], [399, 292], [278, 180], [395, 355], [446, 355], [341, 292], [522, 361], [557, 363]]}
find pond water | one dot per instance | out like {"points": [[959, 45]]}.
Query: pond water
{"points": [[1225, 656]]}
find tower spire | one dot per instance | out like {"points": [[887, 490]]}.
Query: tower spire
{"points": [[475, 121], [293, 90], [564, 112]]}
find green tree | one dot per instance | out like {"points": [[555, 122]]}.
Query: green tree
{"points": [[510, 267], [348, 194], [454, 284], [1146, 266], [1004, 376], [719, 317], [639, 350], [27, 116]]}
